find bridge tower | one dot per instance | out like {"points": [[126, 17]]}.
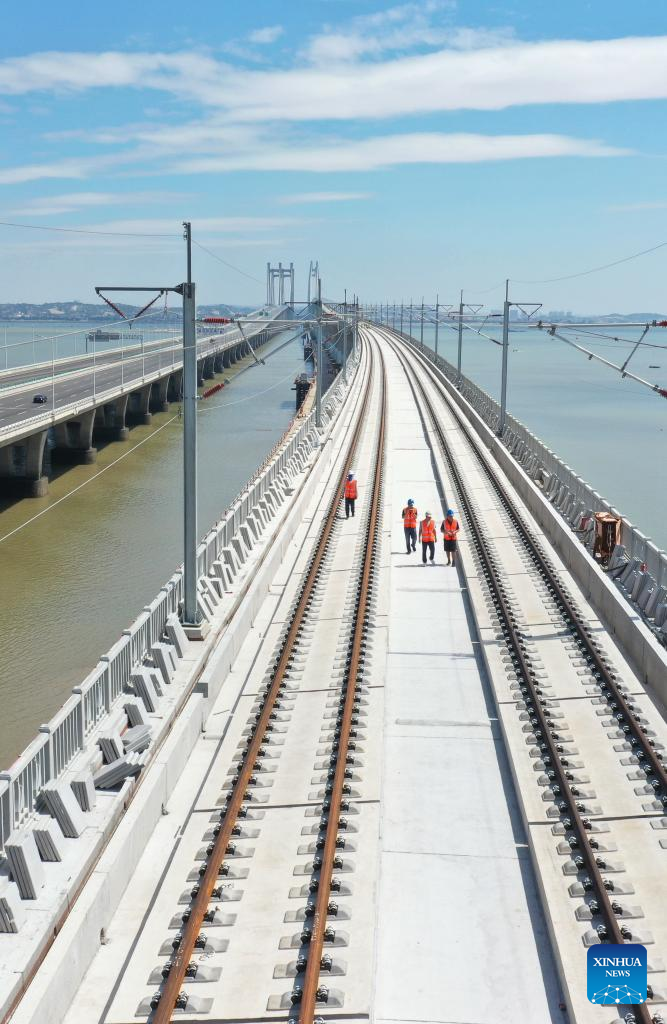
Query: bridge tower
{"points": [[279, 275], [314, 282]]}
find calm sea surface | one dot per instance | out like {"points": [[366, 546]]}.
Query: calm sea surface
{"points": [[41, 341], [85, 560]]}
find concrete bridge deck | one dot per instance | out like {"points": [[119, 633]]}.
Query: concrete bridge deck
{"points": [[458, 896], [97, 395]]}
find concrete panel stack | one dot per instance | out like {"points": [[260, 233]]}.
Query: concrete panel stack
{"points": [[111, 746], [176, 635], [61, 805], [144, 688], [25, 864], [165, 661], [137, 739], [12, 914], [48, 836], [83, 788], [111, 775], [135, 713]]}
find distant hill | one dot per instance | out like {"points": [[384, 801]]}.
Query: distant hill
{"points": [[74, 311], [557, 315]]}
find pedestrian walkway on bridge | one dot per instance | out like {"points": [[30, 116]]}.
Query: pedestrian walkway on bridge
{"points": [[460, 932]]}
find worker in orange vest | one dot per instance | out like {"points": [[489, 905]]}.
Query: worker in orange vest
{"points": [[449, 530], [427, 537], [350, 495], [409, 516]]}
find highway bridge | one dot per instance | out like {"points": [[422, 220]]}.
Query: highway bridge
{"points": [[97, 395], [377, 789]]}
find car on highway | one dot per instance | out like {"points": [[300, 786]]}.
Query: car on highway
{"points": [[39, 398]]}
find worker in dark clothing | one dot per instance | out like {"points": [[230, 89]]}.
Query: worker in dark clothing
{"points": [[409, 516], [350, 495], [449, 530], [427, 537]]}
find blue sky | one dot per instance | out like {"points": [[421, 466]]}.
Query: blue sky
{"points": [[410, 147]]}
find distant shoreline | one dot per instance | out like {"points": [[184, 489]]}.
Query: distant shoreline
{"points": [[86, 313]]}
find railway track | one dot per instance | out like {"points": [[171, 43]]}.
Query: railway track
{"points": [[540, 685], [260, 761], [262, 905]]}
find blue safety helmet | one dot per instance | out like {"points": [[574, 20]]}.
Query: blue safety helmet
{"points": [[410, 501], [450, 512]]}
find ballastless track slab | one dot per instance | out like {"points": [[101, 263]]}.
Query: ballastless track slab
{"points": [[316, 660]]}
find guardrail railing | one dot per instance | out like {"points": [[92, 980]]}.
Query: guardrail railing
{"points": [[44, 420], [68, 732]]}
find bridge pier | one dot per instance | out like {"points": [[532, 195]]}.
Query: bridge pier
{"points": [[175, 389], [109, 422], [74, 439], [208, 368], [159, 395], [226, 363], [22, 467], [139, 404], [218, 363]]}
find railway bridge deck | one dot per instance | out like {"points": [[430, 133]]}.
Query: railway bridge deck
{"points": [[377, 790]]}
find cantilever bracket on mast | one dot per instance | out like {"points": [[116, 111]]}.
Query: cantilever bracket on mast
{"points": [[161, 290], [535, 307]]}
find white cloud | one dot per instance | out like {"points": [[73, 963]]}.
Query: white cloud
{"points": [[35, 172], [397, 29], [251, 116], [262, 36], [484, 79], [50, 206], [392, 150], [487, 78], [54, 70], [201, 225], [322, 197], [274, 151]]}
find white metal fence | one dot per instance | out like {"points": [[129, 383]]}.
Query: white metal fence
{"points": [[217, 345], [66, 735]]}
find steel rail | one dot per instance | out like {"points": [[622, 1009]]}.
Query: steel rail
{"points": [[545, 735], [629, 721], [180, 963], [309, 992]]}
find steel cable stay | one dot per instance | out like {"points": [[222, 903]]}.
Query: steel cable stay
{"points": [[230, 266]]}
